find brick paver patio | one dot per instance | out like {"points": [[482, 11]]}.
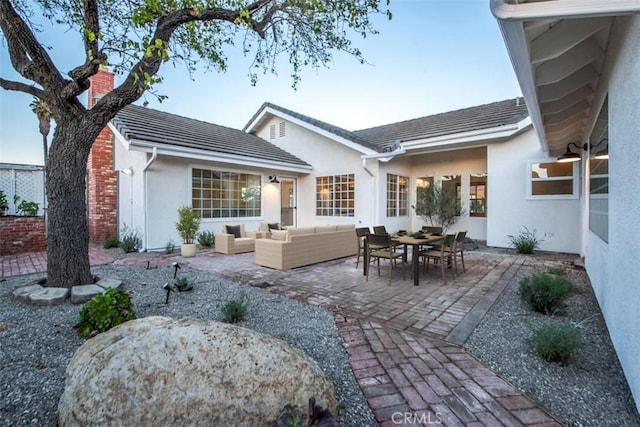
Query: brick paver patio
{"points": [[404, 341]]}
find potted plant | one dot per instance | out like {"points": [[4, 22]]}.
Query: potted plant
{"points": [[187, 227]]}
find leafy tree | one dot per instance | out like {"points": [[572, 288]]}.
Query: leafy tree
{"points": [[437, 206], [134, 38]]}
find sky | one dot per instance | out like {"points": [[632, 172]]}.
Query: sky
{"points": [[434, 56]]}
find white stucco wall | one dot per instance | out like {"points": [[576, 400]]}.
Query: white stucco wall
{"points": [[328, 158], [613, 267], [557, 222]]}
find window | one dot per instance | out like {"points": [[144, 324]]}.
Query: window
{"points": [[221, 194], [452, 184], [397, 195], [335, 195], [478, 195], [552, 180], [599, 178], [421, 186]]}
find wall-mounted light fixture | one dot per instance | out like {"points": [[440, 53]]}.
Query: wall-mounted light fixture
{"points": [[273, 179], [570, 156], [128, 171]]}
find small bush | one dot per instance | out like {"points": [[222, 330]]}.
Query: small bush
{"points": [[103, 312], [235, 310], [206, 239], [28, 208], [545, 292], [130, 240], [112, 242], [183, 284], [557, 343], [169, 247], [525, 242]]}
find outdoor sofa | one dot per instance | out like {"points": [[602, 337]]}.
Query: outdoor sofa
{"points": [[228, 243], [295, 247]]}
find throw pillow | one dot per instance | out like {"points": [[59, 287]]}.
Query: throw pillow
{"points": [[234, 229], [279, 235], [274, 226]]}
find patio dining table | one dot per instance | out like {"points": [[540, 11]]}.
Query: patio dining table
{"points": [[415, 243], [415, 250]]}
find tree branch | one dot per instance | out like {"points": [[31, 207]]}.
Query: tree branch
{"points": [[94, 56], [21, 87]]}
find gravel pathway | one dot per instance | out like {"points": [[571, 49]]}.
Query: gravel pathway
{"points": [[590, 391], [36, 343]]}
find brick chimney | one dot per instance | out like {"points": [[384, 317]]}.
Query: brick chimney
{"points": [[101, 178]]}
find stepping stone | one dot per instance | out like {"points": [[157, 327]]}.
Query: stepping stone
{"points": [[83, 293], [49, 296], [108, 282], [23, 292]]}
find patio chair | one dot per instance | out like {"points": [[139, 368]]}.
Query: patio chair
{"points": [[457, 250], [361, 233], [381, 229], [380, 246], [439, 255]]}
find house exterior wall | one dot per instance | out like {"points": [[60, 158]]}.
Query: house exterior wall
{"points": [[612, 267], [557, 222], [455, 162], [328, 158]]}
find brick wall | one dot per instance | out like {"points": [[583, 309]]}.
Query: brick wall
{"points": [[101, 178], [22, 234]]}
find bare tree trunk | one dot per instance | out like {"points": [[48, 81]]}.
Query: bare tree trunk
{"points": [[68, 229]]}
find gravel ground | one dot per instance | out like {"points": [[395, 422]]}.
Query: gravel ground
{"points": [[36, 343], [590, 391]]}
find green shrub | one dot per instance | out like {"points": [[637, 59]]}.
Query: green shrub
{"points": [[169, 247], [525, 242], [103, 312], [558, 271], [206, 238], [28, 208], [4, 203], [183, 284], [545, 292], [112, 242], [130, 240], [557, 343], [235, 310]]}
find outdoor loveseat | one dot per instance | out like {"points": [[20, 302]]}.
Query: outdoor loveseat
{"points": [[296, 247]]}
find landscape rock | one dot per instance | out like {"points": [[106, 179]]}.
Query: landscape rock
{"points": [[49, 296], [23, 292], [163, 371], [83, 293], [108, 282]]}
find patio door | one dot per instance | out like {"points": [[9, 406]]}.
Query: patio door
{"points": [[288, 202]]}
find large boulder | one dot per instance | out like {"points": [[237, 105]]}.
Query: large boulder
{"points": [[162, 371]]}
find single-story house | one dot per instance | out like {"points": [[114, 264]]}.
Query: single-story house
{"points": [[578, 67]]}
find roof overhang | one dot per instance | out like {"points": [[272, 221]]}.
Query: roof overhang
{"points": [[204, 155], [558, 49], [267, 112], [466, 139]]}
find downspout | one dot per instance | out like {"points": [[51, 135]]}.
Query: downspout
{"points": [[154, 156], [375, 192]]}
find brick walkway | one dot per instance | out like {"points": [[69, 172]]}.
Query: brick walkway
{"points": [[404, 341]]}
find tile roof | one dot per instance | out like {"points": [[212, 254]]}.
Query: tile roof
{"points": [[161, 128], [486, 116], [338, 131]]}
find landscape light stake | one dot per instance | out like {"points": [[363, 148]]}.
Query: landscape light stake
{"points": [[167, 287], [176, 266]]}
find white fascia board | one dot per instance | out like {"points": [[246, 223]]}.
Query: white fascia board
{"points": [[353, 145], [518, 49], [196, 154], [559, 9], [121, 139], [463, 138]]}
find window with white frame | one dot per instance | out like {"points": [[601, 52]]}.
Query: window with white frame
{"points": [[397, 195], [422, 184], [335, 195], [452, 184], [478, 195], [223, 194], [599, 176], [549, 179]]}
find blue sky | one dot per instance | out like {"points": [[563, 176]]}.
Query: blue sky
{"points": [[433, 56]]}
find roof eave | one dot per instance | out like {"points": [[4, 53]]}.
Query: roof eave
{"points": [[493, 134]]}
